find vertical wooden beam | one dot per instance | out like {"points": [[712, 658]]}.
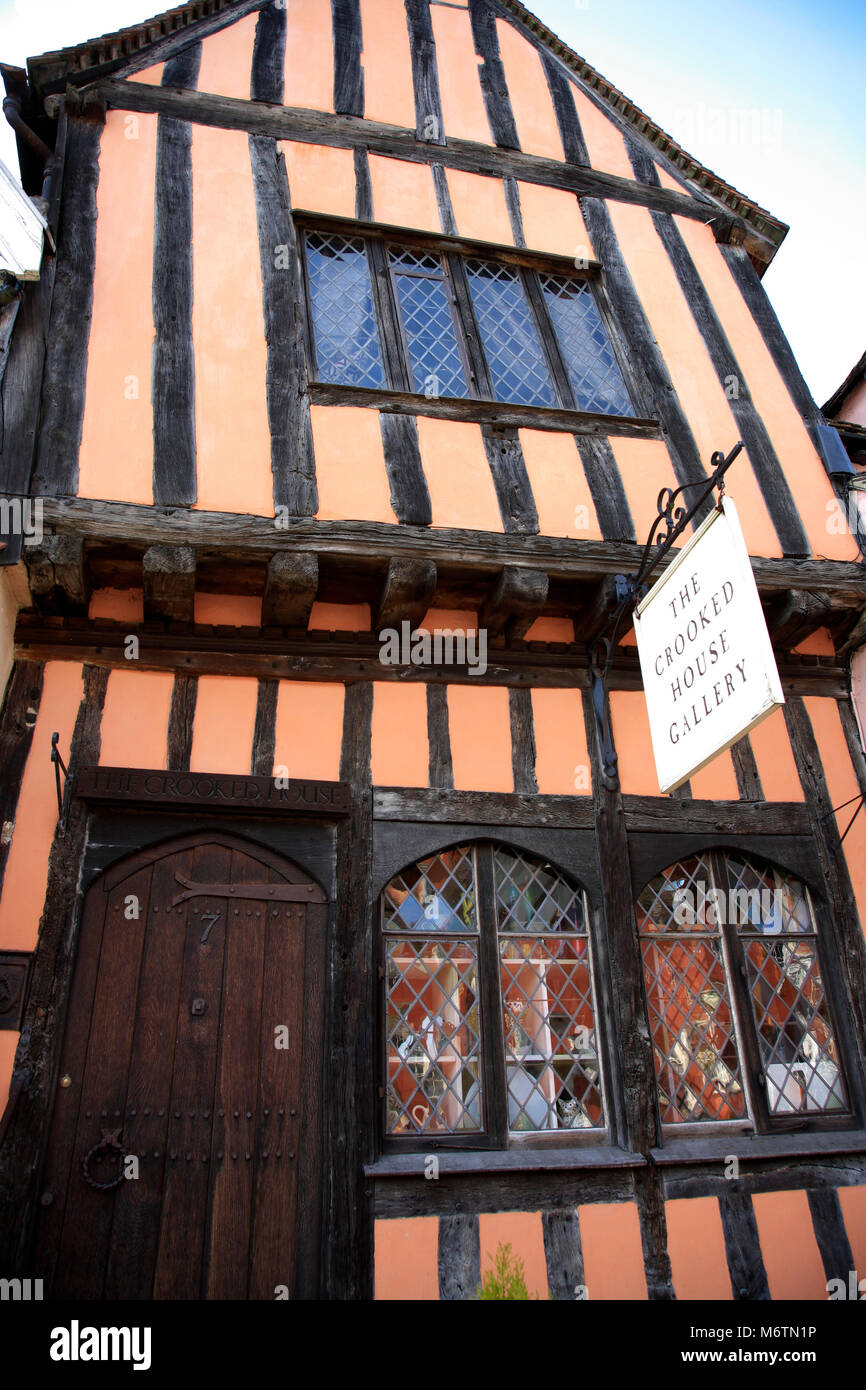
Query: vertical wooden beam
{"points": [[511, 480], [562, 94], [606, 488], [459, 1259], [650, 1196], [168, 581], [267, 79], [522, 740], [17, 722], [173, 369], [441, 771], [493, 85], [746, 770], [265, 729], [563, 1254], [443, 199], [410, 497], [363, 186], [429, 125], [515, 215], [181, 719], [743, 1249], [830, 1233], [65, 372], [348, 73], [290, 589]]}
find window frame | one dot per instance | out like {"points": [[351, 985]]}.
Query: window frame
{"points": [[453, 252]]}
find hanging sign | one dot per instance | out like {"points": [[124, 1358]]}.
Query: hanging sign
{"points": [[708, 667]]}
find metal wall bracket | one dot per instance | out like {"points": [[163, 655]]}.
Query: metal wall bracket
{"points": [[64, 793]]}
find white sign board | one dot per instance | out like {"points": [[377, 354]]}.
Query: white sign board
{"points": [[21, 228], [707, 663]]}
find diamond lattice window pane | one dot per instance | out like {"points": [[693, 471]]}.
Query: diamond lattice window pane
{"points": [[551, 1054], [533, 896], [512, 347], [436, 894], [344, 320], [682, 898], [798, 1049], [765, 900], [692, 1029], [433, 1045], [434, 354], [595, 377]]}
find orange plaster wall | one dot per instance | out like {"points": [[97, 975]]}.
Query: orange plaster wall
{"points": [[521, 1230], [387, 62], [645, 466], [842, 785], [117, 404], [804, 470], [818, 643], [36, 813], [480, 727], [463, 109], [791, 1255], [604, 141], [696, 1245], [559, 486], [668, 181], [457, 619], [400, 752], [700, 392], [225, 717], [612, 1254], [531, 101], [228, 610], [134, 729], [152, 75], [480, 210], [8, 1044], [121, 605], [637, 769], [350, 465], [853, 1203], [551, 630], [309, 61], [403, 193], [227, 59], [320, 179], [407, 1258], [561, 758], [775, 759], [717, 781], [309, 729], [340, 617], [232, 433], [458, 475], [552, 221]]}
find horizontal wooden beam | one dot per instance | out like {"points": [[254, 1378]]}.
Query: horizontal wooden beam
{"points": [[482, 808], [661, 813]]}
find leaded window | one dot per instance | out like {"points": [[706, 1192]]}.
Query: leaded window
{"points": [[344, 320], [490, 1019], [740, 1023]]}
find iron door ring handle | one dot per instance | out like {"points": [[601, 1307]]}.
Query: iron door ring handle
{"points": [[107, 1142]]}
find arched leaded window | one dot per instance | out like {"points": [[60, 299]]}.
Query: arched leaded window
{"points": [[739, 1018], [489, 1002]]}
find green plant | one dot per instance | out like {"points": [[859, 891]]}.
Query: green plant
{"points": [[505, 1279]]}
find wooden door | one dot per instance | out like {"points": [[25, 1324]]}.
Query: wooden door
{"points": [[191, 1077]]}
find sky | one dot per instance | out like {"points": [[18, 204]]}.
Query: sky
{"points": [[769, 94]]}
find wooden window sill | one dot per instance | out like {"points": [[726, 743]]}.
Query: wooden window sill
{"points": [[520, 1160], [760, 1146]]}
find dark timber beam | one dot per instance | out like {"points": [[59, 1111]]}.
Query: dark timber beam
{"points": [[55, 569], [796, 616], [290, 589], [515, 603], [406, 593], [168, 578], [593, 618]]}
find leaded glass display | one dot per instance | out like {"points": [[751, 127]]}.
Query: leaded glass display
{"points": [[344, 318], [592, 368], [512, 347], [428, 324]]}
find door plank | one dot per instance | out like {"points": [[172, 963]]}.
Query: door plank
{"points": [[315, 1078]]}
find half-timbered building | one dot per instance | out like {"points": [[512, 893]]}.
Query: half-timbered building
{"points": [[334, 952]]}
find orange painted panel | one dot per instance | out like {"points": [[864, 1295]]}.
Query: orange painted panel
{"points": [[842, 785], [36, 814], [804, 470], [350, 465], [134, 729], [717, 781], [309, 729], [463, 109], [225, 717], [645, 466], [696, 1245], [480, 210], [400, 752], [605, 144], [403, 193], [818, 643], [561, 758], [309, 60], [228, 610], [117, 404], [552, 221], [458, 475], [8, 1045], [700, 392], [120, 605], [227, 59], [521, 1230], [668, 181], [550, 630], [788, 1246], [631, 737], [775, 759], [457, 619], [232, 433], [612, 1254], [531, 101], [152, 75], [852, 1200], [340, 617], [387, 61], [480, 726], [320, 179], [559, 486], [407, 1258]]}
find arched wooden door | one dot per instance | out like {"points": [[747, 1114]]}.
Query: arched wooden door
{"points": [[194, 1038]]}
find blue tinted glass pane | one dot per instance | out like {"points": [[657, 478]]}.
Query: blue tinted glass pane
{"points": [[514, 355], [437, 368], [344, 322], [592, 368]]}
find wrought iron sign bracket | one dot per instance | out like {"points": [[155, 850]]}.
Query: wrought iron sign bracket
{"points": [[631, 588], [64, 793]]}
